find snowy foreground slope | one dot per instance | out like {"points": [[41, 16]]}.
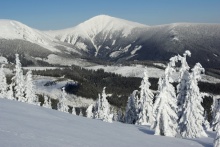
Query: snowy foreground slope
{"points": [[27, 125]]}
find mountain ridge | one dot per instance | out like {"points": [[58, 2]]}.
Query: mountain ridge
{"points": [[118, 40]]}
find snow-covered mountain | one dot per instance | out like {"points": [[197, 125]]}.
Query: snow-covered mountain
{"points": [[101, 35], [46, 127], [35, 46], [113, 39], [116, 39]]}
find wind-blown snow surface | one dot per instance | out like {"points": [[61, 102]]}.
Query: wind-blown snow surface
{"points": [[27, 125]]}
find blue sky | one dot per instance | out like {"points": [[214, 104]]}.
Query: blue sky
{"points": [[59, 14]]}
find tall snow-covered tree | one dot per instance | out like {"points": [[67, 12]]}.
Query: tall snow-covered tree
{"points": [[97, 108], [217, 138], [89, 111], [215, 107], [47, 102], [18, 80], [131, 110], [191, 121], [145, 112], [183, 79], [105, 108], [29, 90], [165, 107], [62, 105], [3, 83], [10, 93]]}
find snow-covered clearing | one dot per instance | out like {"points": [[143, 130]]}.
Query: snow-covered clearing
{"points": [[138, 70], [28, 125]]}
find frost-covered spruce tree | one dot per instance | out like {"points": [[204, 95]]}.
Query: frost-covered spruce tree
{"points": [[192, 118], [10, 93], [47, 102], [3, 83], [29, 91], [217, 138], [145, 113], [165, 107], [18, 80], [89, 111], [105, 108], [61, 105], [216, 115], [183, 80], [215, 107], [131, 111], [97, 108]]}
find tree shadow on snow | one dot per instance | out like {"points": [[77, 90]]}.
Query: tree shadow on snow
{"points": [[146, 130]]}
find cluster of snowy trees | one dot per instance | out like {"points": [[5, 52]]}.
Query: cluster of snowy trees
{"points": [[22, 89], [101, 109], [175, 112]]}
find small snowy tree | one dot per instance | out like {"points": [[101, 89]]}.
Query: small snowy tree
{"points": [[61, 105], [10, 93], [89, 111], [47, 102], [145, 112], [3, 83], [29, 89], [105, 108], [165, 107], [131, 112], [183, 79], [217, 138], [97, 108], [18, 80], [192, 118]]}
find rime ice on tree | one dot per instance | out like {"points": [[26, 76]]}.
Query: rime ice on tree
{"points": [[61, 105], [102, 108], [145, 112], [217, 138], [47, 102], [165, 107], [192, 118], [131, 112], [3, 83], [29, 91], [18, 80], [183, 79]]}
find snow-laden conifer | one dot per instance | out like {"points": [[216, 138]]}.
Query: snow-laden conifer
{"points": [[216, 114], [47, 102], [10, 93], [192, 118], [97, 108], [145, 112], [62, 105], [183, 80], [131, 111], [165, 107], [18, 80], [29, 91], [217, 138], [215, 107], [3, 83], [105, 108], [89, 111]]}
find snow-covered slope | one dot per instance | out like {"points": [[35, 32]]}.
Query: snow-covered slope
{"points": [[45, 127], [10, 29]]}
